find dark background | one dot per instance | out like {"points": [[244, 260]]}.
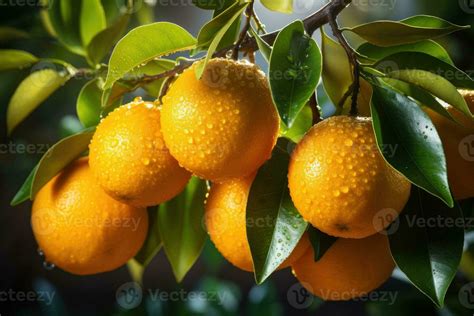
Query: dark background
{"points": [[21, 268]]}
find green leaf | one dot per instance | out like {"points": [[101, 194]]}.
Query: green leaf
{"points": [[88, 105], [399, 121], [428, 244], [24, 192], [146, 14], [263, 46], [153, 67], [222, 23], [234, 30], [295, 70], [64, 18], [428, 47], [422, 61], [411, 30], [282, 6], [302, 124], [92, 20], [136, 270], [422, 96], [436, 85], [9, 33], [269, 199], [145, 43], [320, 242], [153, 242], [31, 92], [59, 156], [103, 41], [181, 229], [337, 73], [15, 59]]}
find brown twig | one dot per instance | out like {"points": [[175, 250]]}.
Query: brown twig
{"points": [[248, 43], [353, 60], [245, 31], [313, 103]]}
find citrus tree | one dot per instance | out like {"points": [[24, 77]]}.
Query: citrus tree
{"points": [[386, 180]]}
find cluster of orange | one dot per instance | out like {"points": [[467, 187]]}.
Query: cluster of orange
{"points": [[92, 217]]}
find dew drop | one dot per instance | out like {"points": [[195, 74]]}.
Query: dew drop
{"points": [[48, 265]]}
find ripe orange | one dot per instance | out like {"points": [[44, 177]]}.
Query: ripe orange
{"points": [[350, 268], [80, 228], [226, 223], [224, 125], [129, 159], [339, 181], [458, 143]]}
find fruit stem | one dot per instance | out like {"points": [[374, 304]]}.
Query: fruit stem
{"points": [[313, 104], [244, 33], [351, 54]]}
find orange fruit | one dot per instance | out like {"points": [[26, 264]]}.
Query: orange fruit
{"points": [[224, 125], [458, 143], [350, 268], [129, 159], [339, 181], [226, 221], [80, 228]]}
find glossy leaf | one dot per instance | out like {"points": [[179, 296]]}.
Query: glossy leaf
{"points": [[59, 156], [428, 244], [64, 18], [153, 67], [180, 227], [411, 30], [420, 95], [103, 41], [153, 242], [15, 59], [88, 105], [422, 61], [399, 121], [428, 47], [295, 70], [162, 38], [337, 73], [92, 20], [234, 30], [31, 92], [24, 192], [269, 202], [320, 242], [302, 124], [213, 32], [263, 46], [436, 85], [282, 6]]}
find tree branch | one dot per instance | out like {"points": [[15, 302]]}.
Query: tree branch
{"points": [[311, 23], [244, 33], [355, 87]]}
